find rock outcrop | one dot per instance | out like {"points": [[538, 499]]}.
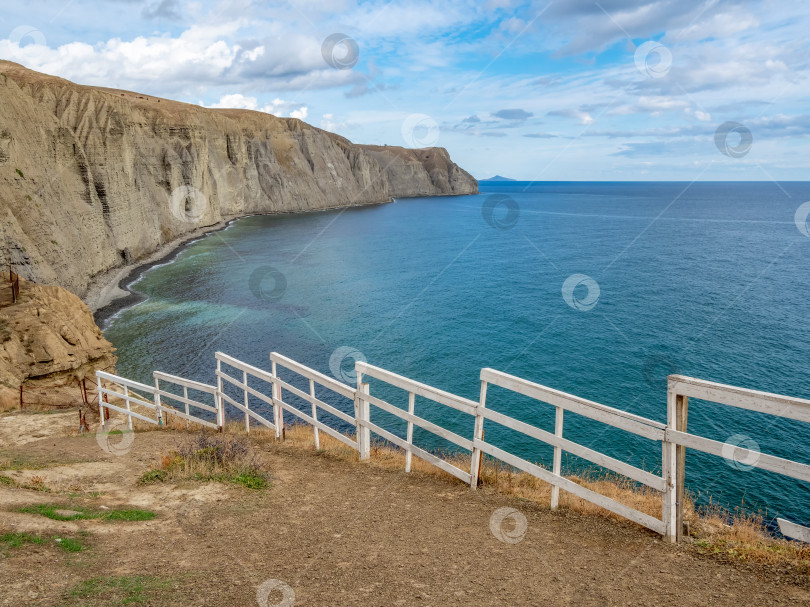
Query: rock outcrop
{"points": [[92, 179], [48, 343]]}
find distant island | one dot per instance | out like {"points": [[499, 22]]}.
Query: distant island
{"points": [[497, 178]]}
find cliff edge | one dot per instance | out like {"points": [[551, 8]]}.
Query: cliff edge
{"points": [[48, 343], [92, 179]]}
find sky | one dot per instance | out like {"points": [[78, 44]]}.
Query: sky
{"points": [[564, 90]]}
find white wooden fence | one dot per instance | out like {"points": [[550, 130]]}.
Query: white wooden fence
{"points": [[679, 390], [566, 402], [269, 388], [414, 388]]}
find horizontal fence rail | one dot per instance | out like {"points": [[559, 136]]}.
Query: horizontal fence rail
{"points": [[136, 393], [414, 389], [248, 391], [315, 379], [567, 402], [680, 389], [270, 389], [162, 395], [129, 398]]}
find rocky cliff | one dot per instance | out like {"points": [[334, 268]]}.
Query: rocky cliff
{"points": [[92, 179], [48, 343]]}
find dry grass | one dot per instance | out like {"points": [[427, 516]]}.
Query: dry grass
{"points": [[712, 531], [210, 456]]}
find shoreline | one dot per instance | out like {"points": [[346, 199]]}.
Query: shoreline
{"points": [[109, 294]]}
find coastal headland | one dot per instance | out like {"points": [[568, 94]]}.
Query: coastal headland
{"points": [[93, 180]]}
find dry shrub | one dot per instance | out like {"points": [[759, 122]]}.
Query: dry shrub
{"points": [[208, 456]]}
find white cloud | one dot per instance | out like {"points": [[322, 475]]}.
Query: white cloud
{"points": [[721, 25], [278, 107]]}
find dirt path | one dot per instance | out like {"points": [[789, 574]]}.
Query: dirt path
{"points": [[337, 533]]}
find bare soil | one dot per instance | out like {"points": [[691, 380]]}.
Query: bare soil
{"points": [[335, 532]]}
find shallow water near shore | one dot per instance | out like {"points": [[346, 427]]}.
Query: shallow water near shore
{"points": [[709, 280]]}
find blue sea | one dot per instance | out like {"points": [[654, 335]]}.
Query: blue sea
{"points": [[597, 289]]}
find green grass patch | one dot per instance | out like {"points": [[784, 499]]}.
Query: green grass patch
{"points": [[251, 480], [7, 481], [20, 173], [80, 513], [125, 590], [70, 545], [18, 539], [132, 514], [153, 476]]}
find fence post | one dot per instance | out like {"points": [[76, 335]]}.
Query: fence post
{"points": [[362, 414], [558, 432], [408, 453], [669, 466], [278, 412], [158, 409], [314, 413], [188, 410], [129, 408], [100, 404], [218, 400], [247, 401], [681, 414], [478, 435]]}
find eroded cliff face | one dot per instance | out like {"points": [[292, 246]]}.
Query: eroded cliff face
{"points": [[91, 179], [48, 343]]}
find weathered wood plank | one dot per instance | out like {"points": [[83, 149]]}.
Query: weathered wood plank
{"points": [[129, 397], [124, 382], [753, 400], [794, 531], [614, 417], [771, 463], [409, 385], [181, 381], [191, 418], [600, 459], [422, 423], [421, 453], [324, 380], [600, 500], [320, 425], [238, 364], [129, 413], [185, 400]]}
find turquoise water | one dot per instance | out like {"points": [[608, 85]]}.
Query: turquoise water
{"points": [[709, 280]]}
